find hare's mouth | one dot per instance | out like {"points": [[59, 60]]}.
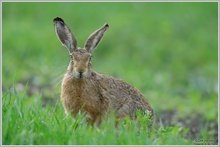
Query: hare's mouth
{"points": [[81, 75]]}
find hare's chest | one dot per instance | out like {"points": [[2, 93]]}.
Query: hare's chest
{"points": [[83, 91], [87, 96]]}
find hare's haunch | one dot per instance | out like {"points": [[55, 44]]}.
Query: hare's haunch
{"points": [[88, 91]]}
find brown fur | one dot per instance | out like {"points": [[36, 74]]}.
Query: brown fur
{"points": [[92, 93]]}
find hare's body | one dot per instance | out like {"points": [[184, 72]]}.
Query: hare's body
{"points": [[100, 94], [90, 92]]}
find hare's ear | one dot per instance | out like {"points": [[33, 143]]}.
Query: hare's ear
{"points": [[95, 38], [64, 34]]}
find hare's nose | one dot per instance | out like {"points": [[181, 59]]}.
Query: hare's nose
{"points": [[80, 71]]}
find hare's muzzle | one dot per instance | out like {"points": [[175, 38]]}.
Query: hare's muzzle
{"points": [[80, 74]]}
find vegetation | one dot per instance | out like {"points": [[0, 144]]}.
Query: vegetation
{"points": [[49, 125], [169, 51]]}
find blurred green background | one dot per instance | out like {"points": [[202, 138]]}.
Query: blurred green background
{"points": [[168, 50]]}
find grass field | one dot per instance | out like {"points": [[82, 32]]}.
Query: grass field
{"points": [[169, 51]]}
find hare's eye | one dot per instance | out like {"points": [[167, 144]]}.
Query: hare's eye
{"points": [[71, 56]]}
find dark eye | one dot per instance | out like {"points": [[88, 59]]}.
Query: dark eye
{"points": [[71, 56]]}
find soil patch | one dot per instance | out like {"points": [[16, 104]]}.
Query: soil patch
{"points": [[196, 123]]}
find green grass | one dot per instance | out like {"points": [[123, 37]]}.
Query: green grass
{"points": [[169, 51], [29, 123]]}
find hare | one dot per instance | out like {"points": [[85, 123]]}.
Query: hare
{"points": [[96, 95]]}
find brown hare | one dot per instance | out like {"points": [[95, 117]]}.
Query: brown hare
{"points": [[92, 93]]}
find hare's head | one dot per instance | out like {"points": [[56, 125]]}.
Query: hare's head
{"points": [[80, 65]]}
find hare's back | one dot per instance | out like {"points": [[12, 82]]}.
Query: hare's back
{"points": [[120, 93]]}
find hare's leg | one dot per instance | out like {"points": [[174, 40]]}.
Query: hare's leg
{"points": [[70, 108], [95, 119], [98, 120], [124, 110], [66, 106], [75, 110]]}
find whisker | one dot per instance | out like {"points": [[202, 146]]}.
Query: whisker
{"points": [[57, 75], [57, 81]]}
